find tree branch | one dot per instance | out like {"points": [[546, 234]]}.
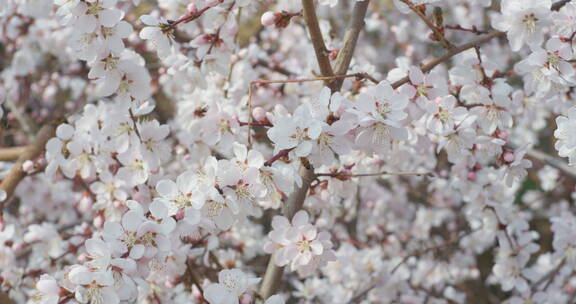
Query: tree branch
{"points": [[552, 161], [12, 153], [437, 33], [474, 43], [273, 275], [16, 174], [316, 37], [453, 52], [350, 40]]}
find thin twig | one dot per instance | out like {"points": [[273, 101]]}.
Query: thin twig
{"points": [[27, 124], [340, 174], [428, 249], [453, 52], [437, 33]]}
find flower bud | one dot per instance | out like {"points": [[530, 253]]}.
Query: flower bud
{"points": [[508, 157], [28, 166], [268, 19], [503, 135], [192, 8], [259, 114]]}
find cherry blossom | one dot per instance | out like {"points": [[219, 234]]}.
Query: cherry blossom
{"points": [[232, 284], [236, 151]]}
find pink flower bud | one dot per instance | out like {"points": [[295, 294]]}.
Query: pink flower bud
{"points": [[259, 114], [99, 221], [169, 284], [268, 19], [503, 135], [192, 8], [83, 258], [28, 166], [18, 246], [508, 157], [246, 299], [471, 176]]}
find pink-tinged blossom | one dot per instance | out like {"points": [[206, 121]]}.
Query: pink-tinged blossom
{"points": [[298, 243]]}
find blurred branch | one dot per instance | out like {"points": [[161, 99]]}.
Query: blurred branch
{"points": [[558, 5], [12, 153], [16, 174], [27, 124], [551, 161]]}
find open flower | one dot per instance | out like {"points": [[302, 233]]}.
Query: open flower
{"points": [[232, 284], [296, 243]]}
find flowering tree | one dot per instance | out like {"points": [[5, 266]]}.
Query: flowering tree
{"points": [[238, 151]]}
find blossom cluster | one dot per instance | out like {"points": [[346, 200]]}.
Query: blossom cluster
{"points": [[198, 156]]}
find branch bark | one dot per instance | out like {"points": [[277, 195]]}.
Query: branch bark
{"points": [[453, 52], [16, 174], [316, 37], [12, 153], [273, 275]]}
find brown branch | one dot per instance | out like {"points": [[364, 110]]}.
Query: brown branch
{"points": [[272, 277], [12, 153], [16, 174], [558, 5], [437, 33], [473, 30], [341, 174], [316, 37], [350, 40], [453, 52]]}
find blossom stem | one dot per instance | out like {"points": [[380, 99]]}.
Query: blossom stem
{"points": [[277, 156], [187, 18], [473, 30], [135, 124]]}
